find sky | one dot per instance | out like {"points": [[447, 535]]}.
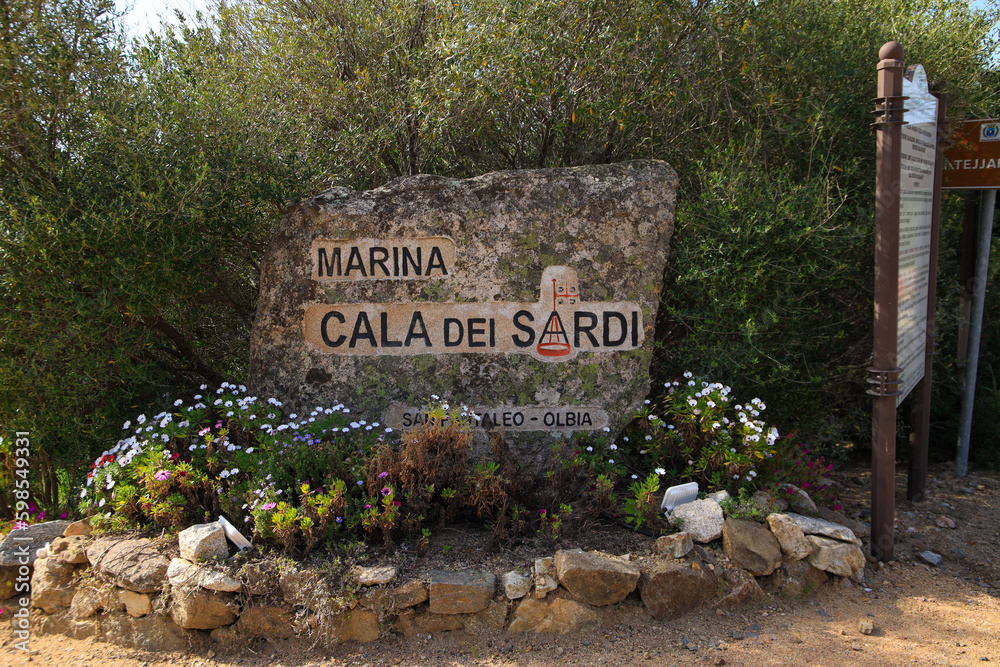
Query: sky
{"points": [[144, 15]]}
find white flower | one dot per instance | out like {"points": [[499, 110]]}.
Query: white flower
{"points": [[388, 430], [192, 448], [687, 374], [691, 383], [711, 404], [141, 419], [590, 449], [690, 463], [647, 401], [611, 461], [101, 504], [224, 474], [660, 471], [110, 483], [635, 477], [177, 402], [434, 396], [83, 494], [607, 429], [614, 448], [445, 406], [249, 450], [234, 471]]}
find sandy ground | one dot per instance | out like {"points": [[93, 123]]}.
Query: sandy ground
{"points": [[922, 615]]}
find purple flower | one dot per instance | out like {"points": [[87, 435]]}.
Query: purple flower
{"points": [[386, 490], [383, 474], [268, 506], [162, 475]]}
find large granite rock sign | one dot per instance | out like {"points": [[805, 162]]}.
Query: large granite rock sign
{"points": [[529, 296]]}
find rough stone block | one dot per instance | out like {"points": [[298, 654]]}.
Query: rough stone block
{"points": [[137, 565], [203, 542], [27, 541], [515, 585], [751, 546], [844, 559], [701, 519], [556, 614], [460, 592], [793, 541], [671, 588], [677, 545], [194, 608], [595, 578]]}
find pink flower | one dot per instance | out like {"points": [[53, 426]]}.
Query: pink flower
{"points": [[204, 430], [386, 490], [162, 475], [268, 506], [383, 474], [838, 507]]}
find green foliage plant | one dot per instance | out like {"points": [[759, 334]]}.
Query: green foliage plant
{"points": [[703, 435]]}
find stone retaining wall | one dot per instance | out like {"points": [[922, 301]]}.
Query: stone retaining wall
{"points": [[157, 595]]}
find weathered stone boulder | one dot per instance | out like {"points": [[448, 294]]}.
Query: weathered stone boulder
{"points": [[203, 542], [266, 622], [52, 585], [195, 608], [672, 588], [489, 621], [93, 597], [137, 565], [25, 542], [375, 575], [411, 622], [8, 579], [743, 588], [751, 546], [182, 573], [595, 578], [390, 600], [515, 585], [549, 279], [136, 604], [460, 592], [793, 541], [845, 559], [71, 550], [546, 579], [557, 614], [81, 527], [677, 545], [357, 625], [701, 519], [796, 579], [815, 526], [798, 499], [149, 633]]}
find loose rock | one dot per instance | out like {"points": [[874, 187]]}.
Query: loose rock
{"points": [[182, 573], [553, 615], [670, 588], [515, 585], [677, 545], [545, 577], [25, 542], [203, 542], [136, 565], [844, 559], [751, 546], [595, 578], [701, 519], [460, 592], [793, 541]]}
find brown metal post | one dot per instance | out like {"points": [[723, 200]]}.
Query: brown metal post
{"points": [[884, 373], [920, 435]]}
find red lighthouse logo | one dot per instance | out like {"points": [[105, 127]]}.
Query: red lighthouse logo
{"points": [[554, 342]]}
